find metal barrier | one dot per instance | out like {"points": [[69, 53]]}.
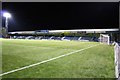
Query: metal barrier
{"points": [[117, 60]]}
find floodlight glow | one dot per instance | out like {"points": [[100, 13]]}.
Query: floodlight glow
{"points": [[7, 15]]}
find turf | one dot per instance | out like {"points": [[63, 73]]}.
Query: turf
{"points": [[94, 62]]}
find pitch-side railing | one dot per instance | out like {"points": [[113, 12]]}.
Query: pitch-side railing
{"points": [[117, 59]]}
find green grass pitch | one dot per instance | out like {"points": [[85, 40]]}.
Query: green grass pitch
{"points": [[95, 62]]}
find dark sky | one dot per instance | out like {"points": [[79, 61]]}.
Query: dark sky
{"points": [[28, 16]]}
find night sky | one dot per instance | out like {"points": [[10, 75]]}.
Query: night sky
{"points": [[29, 16]]}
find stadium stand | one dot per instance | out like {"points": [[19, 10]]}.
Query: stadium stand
{"points": [[0, 36], [68, 38], [55, 38], [38, 37], [95, 39], [85, 38], [47, 37], [77, 38]]}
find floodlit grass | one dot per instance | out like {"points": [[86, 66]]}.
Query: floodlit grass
{"points": [[91, 63]]}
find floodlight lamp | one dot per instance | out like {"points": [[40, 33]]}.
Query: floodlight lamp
{"points": [[7, 15]]}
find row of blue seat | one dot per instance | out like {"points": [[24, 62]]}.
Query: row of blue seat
{"points": [[83, 38]]}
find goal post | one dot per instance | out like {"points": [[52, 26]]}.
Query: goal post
{"points": [[105, 38]]}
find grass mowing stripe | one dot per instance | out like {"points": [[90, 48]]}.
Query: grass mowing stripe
{"points": [[31, 46], [34, 46], [46, 60]]}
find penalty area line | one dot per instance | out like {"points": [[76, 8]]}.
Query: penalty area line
{"points": [[35, 64]]}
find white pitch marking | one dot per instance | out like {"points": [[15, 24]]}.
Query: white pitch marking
{"points": [[45, 61]]}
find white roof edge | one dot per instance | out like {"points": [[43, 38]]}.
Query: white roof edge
{"points": [[84, 30], [74, 30], [60, 0]]}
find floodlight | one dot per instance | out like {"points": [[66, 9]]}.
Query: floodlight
{"points": [[7, 15]]}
